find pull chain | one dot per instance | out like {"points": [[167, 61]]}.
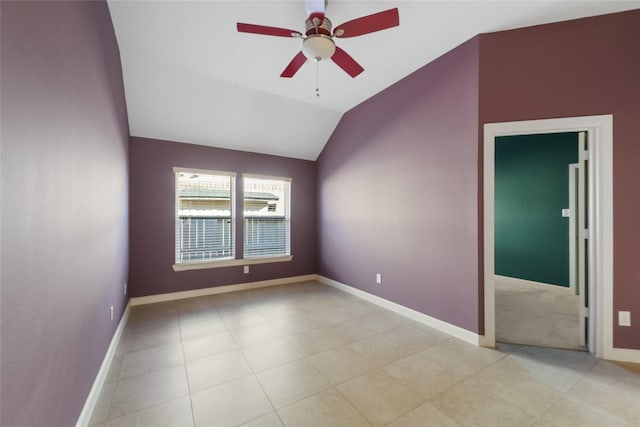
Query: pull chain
{"points": [[318, 78]]}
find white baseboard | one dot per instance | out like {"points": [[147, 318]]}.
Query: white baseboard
{"points": [[94, 394], [622, 355], [448, 328], [172, 296]]}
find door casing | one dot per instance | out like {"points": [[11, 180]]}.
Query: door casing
{"points": [[599, 131]]}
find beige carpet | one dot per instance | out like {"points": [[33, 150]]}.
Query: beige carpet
{"points": [[536, 314]]}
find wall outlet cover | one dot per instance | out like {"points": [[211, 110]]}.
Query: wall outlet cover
{"points": [[624, 318]]}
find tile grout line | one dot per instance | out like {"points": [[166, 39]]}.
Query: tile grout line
{"points": [[306, 358], [143, 373], [454, 384], [561, 395], [555, 401], [118, 379], [255, 376], [186, 372], [505, 357], [373, 369]]}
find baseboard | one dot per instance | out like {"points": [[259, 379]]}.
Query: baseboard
{"points": [[172, 296], [94, 394], [622, 355], [438, 324]]}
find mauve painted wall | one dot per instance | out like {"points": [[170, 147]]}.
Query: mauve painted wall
{"points": [[64, 206], [398, 192], [576, 68], [152, 200]]}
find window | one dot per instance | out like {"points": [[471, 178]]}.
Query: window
{"points": [[205, 228], [266, 216], [205, 223]]}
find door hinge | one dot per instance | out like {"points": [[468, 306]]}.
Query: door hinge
{"points": [[585, 233], [585, 154], [585, 312]]}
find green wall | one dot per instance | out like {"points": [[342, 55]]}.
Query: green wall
{"points": [[531, 189]]}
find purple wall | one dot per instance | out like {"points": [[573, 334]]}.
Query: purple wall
{"points": [[398, 192], [152, 200], [64, 205], [400, 180], [583, 67]]}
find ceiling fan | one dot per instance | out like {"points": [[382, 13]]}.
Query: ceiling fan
{"points": [[317, 41]]}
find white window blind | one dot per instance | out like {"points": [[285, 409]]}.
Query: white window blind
{"points": [[205, 224], [266, 216]]}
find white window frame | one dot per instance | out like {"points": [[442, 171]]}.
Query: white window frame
{"points": [[270, 258], [231, 261], [195, 265]]}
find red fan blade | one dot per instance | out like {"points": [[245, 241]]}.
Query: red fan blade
{"points": [[294, 65], [267, 31], [368, 24], [346, 62]]}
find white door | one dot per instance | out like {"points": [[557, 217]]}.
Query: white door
{"points": [[579, 235]]}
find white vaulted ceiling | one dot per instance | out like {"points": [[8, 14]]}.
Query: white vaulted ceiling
{"points": [[191, 77]]}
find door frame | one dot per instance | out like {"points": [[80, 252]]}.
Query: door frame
{"points": [[599, 131]]}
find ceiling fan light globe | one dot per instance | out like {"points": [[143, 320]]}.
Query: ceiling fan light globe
{"points": [[318, 47]]}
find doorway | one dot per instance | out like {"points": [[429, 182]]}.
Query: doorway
{"points": [[597, 233], [536, 303]]}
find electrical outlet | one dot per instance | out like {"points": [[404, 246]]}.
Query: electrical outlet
{"points": [[379, 278], [624, 318], [125, 289], [246, 269], [111, 311]]}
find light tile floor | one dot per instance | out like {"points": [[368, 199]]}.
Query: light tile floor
{"points": [[309, 355]]}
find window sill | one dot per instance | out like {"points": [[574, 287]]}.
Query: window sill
{"points": [[229, 263]]}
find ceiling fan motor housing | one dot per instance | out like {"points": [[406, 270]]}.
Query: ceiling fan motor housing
{"points": [[318, 43], [317, 23]]}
